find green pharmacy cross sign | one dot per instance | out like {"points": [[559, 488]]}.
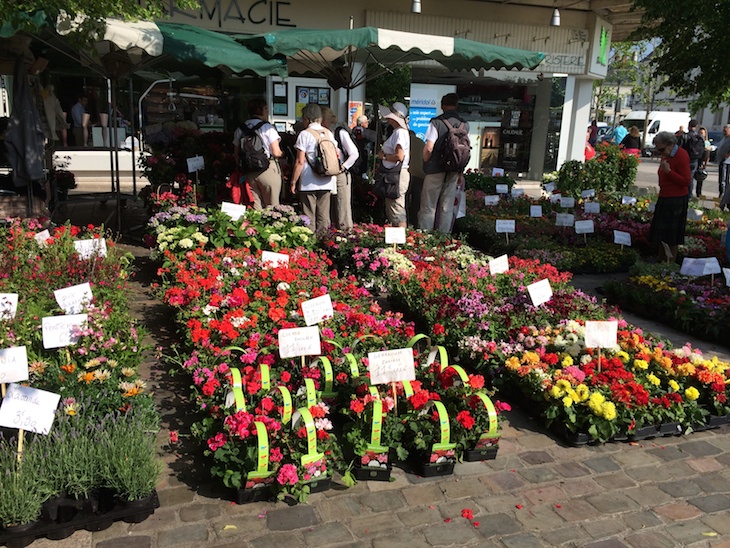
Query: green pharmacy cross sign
{"points": [[603, 47]]}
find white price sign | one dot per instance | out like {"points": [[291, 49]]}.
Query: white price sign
{"points": [[269, 258], [30, 409], [567, 202], [555, 198], [517, 192], [41, 237], [395, 234], [601, 334], [505, 226], [549, 187], [13, 364], [590, 193], [695, 214], [502, 189], [700, 267], [621, 238], [317, 310], [90, 248], [8, 305], [497, 172], [535, 211], [391, 366], [628, 200], [196, 163], [540, 292], [584, 227], [58, 331], [726, 271], [491, 200], [499, 265], [300, 341], [234, 211], [651, 206], [74, 299], [592, 207], [564, 219]]}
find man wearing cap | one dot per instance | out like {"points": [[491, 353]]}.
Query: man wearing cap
{"points": [[439, 188], [397, 149]]}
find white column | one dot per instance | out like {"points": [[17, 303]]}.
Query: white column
{"points": [[567, 122], [576, 118]]}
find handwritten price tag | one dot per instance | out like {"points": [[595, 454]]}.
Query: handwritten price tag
{"points": [[505, 225], [535, 211], [95, 247], [8, 305], [540, 292], [391, 366], [567, 202], [395, 235], [234, 211], [601, 334], [584, 227], [621, 238], [564, 219], [499, 265], [59, 331], [491, 200], [700, 267], [269, 258], [502, 189], [196, 163], [300, 341], [592, 207], [317, 310], [13, 364], [74, 299], [590, 193], [28, 409], [41, 237]]}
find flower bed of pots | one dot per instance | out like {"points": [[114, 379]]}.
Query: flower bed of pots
{"points": [[100, 440]]}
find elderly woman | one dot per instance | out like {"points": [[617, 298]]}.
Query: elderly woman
{"points": [[670, 216], [397, 149]]}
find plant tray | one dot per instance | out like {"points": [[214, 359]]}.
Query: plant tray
{"points": [[715, 421], [670, 429], [476, 455], [317, 486], [245, 496], [84, 518], [366, 473], [644, 433], [428, 470]]}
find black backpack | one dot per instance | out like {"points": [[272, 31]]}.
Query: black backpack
{"points": [[252, 156], [694, 145], [355, 168], [455, 150]]}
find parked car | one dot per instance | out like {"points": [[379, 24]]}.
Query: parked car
{"points": [[606, 136], [715, 137]]}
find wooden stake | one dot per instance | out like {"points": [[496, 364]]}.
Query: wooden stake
{"points": [[395, 399], [599, 359], [303, 363], [712, 279], [585, 239], [506, 235], [20, 444], [2, 389]]}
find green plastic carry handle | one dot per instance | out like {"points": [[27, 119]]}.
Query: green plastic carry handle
{"points": [[312, 455], [328, 375], [462, 374], [354, 369], [492, 412], [376, 429], [237, 386], [407, 388], [417, 338], [374, 392], [444, 425], [288, 408], [311, 393], [263, 444], [265, 377], [443, 356]]}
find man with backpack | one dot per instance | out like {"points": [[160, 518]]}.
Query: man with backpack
{"points": [[446, 154], [694, 144], [341, 213], [256, 149], [316, 168]]}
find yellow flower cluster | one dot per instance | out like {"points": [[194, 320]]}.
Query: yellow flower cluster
{"points": [[600, 407], [656, 284], [691, 393], [563, 390], [641, 364]]}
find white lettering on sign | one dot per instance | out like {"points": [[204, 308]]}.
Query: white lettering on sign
{"points": [[300, 341], [491, 200], [499, 265], [269, 258], [391, 366], [564, 219], [58, 331], [13, 364], [621, 238], [395, 234], [535, 211], [317, 310], [592, 207], [584, 227], [540, 292], [503, 226], [601, 334], [234, 211], [8, 305], [90, 248], [30, 409], [272, 13], [74, 299], [502, 188]]}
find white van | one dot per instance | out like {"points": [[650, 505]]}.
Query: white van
{"points": [[658, 121]]}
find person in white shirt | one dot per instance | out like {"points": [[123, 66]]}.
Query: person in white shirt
{"points": [[314, 190], [265, 185], [349, 153], [397, 149]]}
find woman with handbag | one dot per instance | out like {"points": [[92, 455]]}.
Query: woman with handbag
{"points": [[396, 152]]}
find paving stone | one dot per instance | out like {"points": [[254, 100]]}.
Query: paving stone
{"points": [[521, 540], [163, 518], [251, 509], [386, 501], [582, 486], [327, 533], [452, 534], [713, 483], [677, 470], [540, 517], [599, 529], [374, 525], [183, 535], [642, 474], [535, 441], [619, 480], [676, 511], [602, 465], [496, 524], [612, 502], [277, 540], [117, 529], [668, 453], [423, 494], [577, 510], [500, 464], [503, 481], [711, 503], [464, 488], [467, 469], [536, 457], [633, 457], [680, 489], [234, 526], [293, 517], [539, 495], [641, 520], [416, 517], [175, 496], [705, 465], [198, 512], [411, 539], [542, 474], [700, 448], [126, 542], [649, 540], [339, 509], [571, 470], [647, 495], [720, 522], [608, 543], [575, 536], [401, 481], [687, 532]]}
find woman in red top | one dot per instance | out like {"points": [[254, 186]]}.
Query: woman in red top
{"points": [[670, 216]]}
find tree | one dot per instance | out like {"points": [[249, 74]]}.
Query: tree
{"points": [[89, 15], [390, 87], [692, 54]]}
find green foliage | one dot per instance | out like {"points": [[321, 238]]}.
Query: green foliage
{"points": [[611, 172], [476, 180], [388, 87]]}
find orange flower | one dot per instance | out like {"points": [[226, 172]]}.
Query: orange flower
{"points": [[69, 368], [134, 391]]}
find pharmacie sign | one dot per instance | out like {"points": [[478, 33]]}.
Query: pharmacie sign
{"points": [[230, 13]]}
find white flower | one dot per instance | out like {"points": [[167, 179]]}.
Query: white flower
{"points": [[186, 243], [283, 286]]}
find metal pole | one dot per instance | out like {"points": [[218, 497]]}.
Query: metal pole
{"points": [[131, 124], [114, 142], [110, 126], [142, 97]]}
